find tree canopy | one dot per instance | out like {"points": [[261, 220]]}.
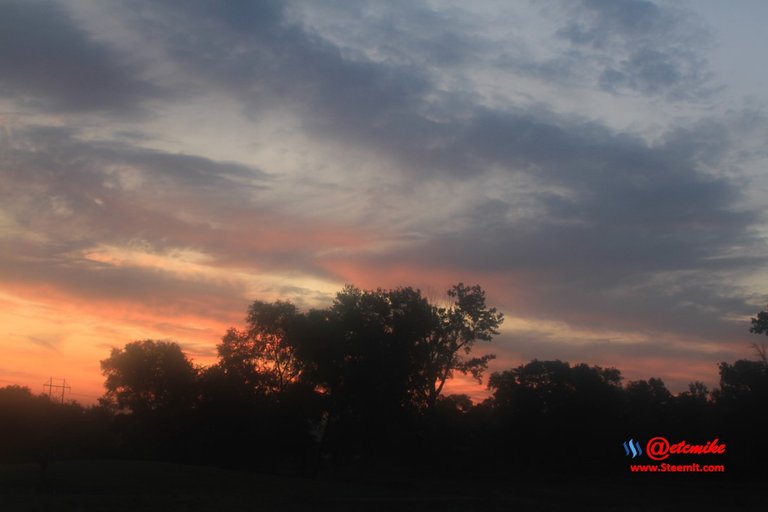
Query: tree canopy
{"points": [[261, 356], [149, 375]]}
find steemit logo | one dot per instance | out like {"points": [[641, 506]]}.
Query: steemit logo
{"points": [[632, 447]]}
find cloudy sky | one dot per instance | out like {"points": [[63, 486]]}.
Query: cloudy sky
{"points": [[598, 166]]}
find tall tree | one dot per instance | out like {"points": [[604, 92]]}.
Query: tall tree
{"points": [[362, 348], [448, 347], [413, 346], [361, 353], [261, 356]]}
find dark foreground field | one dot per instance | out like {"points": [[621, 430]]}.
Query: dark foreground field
{"points": [[151, 486]]}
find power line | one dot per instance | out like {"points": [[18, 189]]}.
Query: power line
{"points": [[63, 387]]}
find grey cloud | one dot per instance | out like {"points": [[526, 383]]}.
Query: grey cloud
{"points": [[654, 72], [620, 231], [57, 158], [646, 70], [601, 278], [633, 18], [402, 32], [50, 63], [629, 208], [399, 111], [158, 290], [303, 298], [531, 344], [396, 107], [630, 213], [47, 344], [269, 61], [79, 193], [642, 46], [584, 284]]}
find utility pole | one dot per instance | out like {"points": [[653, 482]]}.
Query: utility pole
{"points": [[63, 387]]}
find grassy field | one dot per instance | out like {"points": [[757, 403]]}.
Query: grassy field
{"points": [[152, 486]]}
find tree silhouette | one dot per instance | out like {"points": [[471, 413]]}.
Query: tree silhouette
{"points": [[742, 401], [544, 401], [149, 375], [743, 380], [697, 391], [649, 393], [448, 347], [381, 357], [542, 388], [361, 381], [360, 355], [24, 425], [760, 323], [261, 357]]}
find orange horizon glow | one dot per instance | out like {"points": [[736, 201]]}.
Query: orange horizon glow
{"points": [[63, 331], [53, 333]]}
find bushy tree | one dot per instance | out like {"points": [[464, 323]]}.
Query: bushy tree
{"points": [[555, 387], [382, 357], [743, 381], [546, 402], [149, 375], [24, 425], [395, 340], [760, 323]]}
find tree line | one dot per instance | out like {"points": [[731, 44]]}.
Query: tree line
{"points": [[360, 384]]}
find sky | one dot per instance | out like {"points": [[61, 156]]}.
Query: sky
{"points": [[597, 166]]}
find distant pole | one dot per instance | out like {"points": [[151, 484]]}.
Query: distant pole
{"points": [[63, 387]]}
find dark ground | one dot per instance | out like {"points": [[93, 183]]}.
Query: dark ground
{"points": [[152, 486]]}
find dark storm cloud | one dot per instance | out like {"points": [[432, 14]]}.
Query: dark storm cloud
{"points": [[50, 63]]}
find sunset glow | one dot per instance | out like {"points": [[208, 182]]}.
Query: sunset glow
{"points": [[599, 172]]}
